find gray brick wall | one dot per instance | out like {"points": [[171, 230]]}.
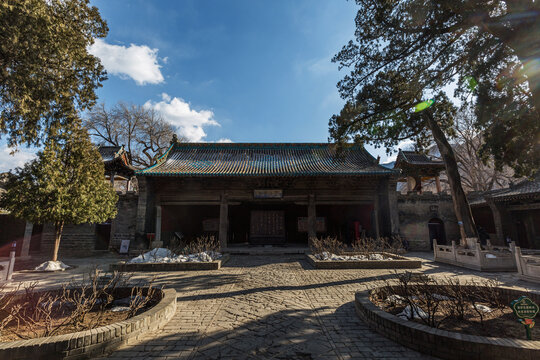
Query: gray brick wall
{"points": [[415, 211]]}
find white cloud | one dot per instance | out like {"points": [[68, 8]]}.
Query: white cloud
{"points": [[224, 140], [403, 145], [8, 161], [138, 62], [190, 123]]}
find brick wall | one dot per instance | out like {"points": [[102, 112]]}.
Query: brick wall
{"points": [[416, 210], [76, 239], [123, 227]]}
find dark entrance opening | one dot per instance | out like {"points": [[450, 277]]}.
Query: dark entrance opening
{"points": [[436, 231], [103, 236], [189, 222], [523, 239], [35, 240], [266, 224], [347, 222], [267, 227]]}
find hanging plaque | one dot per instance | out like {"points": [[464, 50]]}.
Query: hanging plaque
{"points": [[268, 194]]}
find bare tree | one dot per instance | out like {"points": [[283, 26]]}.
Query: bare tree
{"points": [[143, 132], [477, 173]]}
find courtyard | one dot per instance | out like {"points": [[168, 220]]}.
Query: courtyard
{"points": [[268, 307]]}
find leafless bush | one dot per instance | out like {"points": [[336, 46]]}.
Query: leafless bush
{"points": [[328, 244], [434, 300], [94, 292], [140, 297], [7, 298], [366, 246], [201, 244], [32, 313]]}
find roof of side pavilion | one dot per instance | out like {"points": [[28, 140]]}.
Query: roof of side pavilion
{"points": [[264, 159]]}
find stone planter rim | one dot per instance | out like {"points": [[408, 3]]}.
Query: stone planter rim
{"points": [[362, 298], [118, 331]]}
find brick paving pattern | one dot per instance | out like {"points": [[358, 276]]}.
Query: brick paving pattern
{"points": [[267, 307], [274, 307]]}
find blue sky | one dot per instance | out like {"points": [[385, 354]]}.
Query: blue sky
{"points": [[238, 70]]}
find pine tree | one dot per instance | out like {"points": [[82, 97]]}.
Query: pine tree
{"points": [[65, 184]]}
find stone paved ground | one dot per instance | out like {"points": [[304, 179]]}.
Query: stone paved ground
{"points": [[274, 307]]}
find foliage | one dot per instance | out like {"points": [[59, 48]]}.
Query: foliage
{"points": [[407, 51], [64, 184], [143, 131], [45, 68]]}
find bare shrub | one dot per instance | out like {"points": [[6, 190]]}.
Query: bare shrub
{"points": [[437, 299], [32, 313], [141, 296], [201, 244], [367, 246], [94, 292], [328, 244]]}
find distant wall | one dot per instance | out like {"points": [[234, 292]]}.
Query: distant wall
{"points": [[415, 211], [124, 225], [81, 239]]}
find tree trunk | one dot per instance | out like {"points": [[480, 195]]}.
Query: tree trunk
{"points": [[461, 205], [58, 227]]}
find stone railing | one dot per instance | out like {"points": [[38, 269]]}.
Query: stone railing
{"points": [[474, 257], [528, 263]]}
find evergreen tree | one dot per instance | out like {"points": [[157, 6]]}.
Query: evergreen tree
{"points": [[45, 68], [405, 52], [64, 184]]}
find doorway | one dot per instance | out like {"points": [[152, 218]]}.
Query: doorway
{"points": [[436, 231], [103, 236], [267, 227]]}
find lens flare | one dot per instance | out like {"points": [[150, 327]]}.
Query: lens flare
{"points": [[471, 82], [423, 105]]}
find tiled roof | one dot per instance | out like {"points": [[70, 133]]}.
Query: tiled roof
{"points": [[414, 158], [258, 159], [109, 153], [524, 189]]}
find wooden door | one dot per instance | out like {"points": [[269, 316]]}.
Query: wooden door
{"points": [[267, 227]]}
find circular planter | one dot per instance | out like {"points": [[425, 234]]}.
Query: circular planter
{"points": [[91, 343], [446, 344]]}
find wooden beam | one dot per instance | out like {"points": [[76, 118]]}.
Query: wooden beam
{"points": [[532, 206]]}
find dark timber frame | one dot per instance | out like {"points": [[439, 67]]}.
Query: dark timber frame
{"points": [[298, 180]]}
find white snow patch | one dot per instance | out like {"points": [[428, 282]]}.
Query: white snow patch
{"points": [[483, 308], [161, 255], [120, 308], [410, 313], [396, 299], [333, 257], [52, 266]]}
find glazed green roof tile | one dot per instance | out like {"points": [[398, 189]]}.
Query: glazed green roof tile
{"points": [[264, 159]]}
